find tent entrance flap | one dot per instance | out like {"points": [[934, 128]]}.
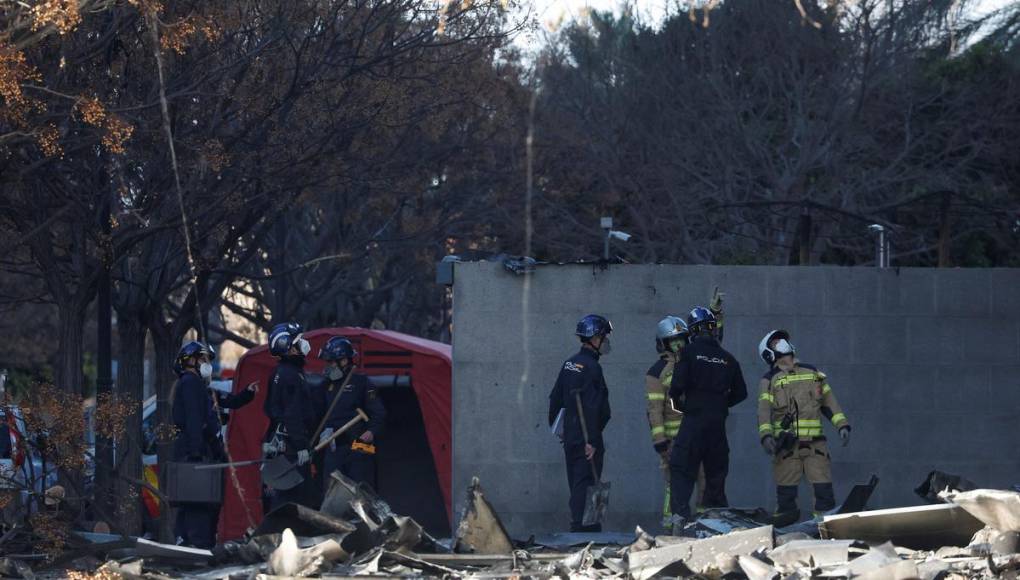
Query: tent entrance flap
{"points": [[405, 469]]}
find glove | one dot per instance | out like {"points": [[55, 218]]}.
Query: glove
{"points": [[716, 304], [303, 457], [844, 434], [768, 443], [662, 447], [325, 435], [272, 448]]}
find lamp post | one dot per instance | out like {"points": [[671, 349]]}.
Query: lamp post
{"points": [[881, 245]]}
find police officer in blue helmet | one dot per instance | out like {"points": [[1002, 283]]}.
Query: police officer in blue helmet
{"points": [[288, 410], [707, 381], [197, 428], [582, 374], [353, 453]]}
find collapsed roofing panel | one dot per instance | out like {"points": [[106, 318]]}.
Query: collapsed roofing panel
{"points": [[356, 534]]}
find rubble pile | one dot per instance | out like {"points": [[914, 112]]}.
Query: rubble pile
{"points": [[971, 533]]}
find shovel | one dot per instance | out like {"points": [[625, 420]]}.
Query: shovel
{"points": [[279, 473], [596, 498]]}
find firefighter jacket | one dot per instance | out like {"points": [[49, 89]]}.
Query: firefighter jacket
{"points": [[802, 395], [358, 394], [663, 419], [707, 379], [287, 403], [582, 374]]}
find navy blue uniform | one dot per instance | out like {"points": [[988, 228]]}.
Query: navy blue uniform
{"points": [[197, 429], [289, 410], [358, 394], [707, 381], [582, 374]]}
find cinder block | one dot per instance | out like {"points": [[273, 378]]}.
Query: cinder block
{"points": [[851, 291], [907, 291], [486, 287], [1005, 283], [933, 340], [857, 387], [797, 290], [879, 340], [962, 389], [938, 436], [963, 292], [1004, 387], [999, 475], [908, 387], [824, 340], [527, 487], [746, 289], [562, 289], [990, 341]]}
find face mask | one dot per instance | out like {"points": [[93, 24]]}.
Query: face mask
{"points": [[783, 347], [335, 373], [606, 346], [303, 347], [205, 370]]}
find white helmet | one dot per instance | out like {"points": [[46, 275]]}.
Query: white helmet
{"points": [[783, 347]]}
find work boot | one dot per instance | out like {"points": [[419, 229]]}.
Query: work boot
{"points": [[787, 518], [677, 524]]}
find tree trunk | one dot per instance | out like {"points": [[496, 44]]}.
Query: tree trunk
{"points": [[164, 351], [945, 229], [68, 374], [804, 239], [130, 387]]}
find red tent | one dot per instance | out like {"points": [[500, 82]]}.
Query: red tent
{"points": [[381, 353]]}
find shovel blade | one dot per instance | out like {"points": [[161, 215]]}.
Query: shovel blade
{"points": [[596, 502], [279, 473]]}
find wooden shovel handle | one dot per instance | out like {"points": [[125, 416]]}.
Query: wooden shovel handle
{"points": [[584, 431], [361, 417], [336, 398]]}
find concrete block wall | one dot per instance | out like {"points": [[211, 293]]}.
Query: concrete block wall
{"points": [[926, 363]]}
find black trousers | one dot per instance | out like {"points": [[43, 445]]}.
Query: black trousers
{"points": [[786, 497], [305, 493], [196, 525], [579, 479], [355, 465], [700, 441]]}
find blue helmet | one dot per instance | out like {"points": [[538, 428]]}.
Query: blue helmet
{"points": [[593, 325], [282, 337], [700, 319], [191, 349], [337, 348]]}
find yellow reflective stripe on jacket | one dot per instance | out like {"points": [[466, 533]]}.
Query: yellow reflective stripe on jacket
{"points": [[826, 389], [767, 397], [804, 427], [656, 397], [667, 380], [795, 378], [838, 418], [658, 430], [765, 427], [672, 427]]}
